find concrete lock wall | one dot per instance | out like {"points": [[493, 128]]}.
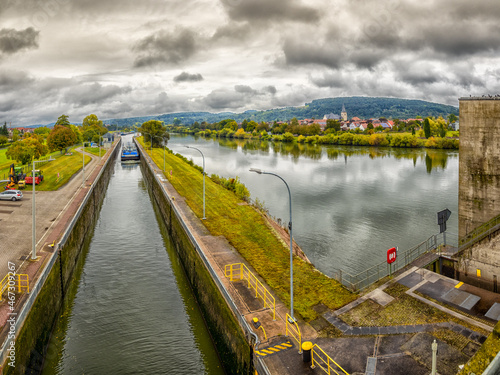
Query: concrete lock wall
{"points": [[230, 340], [479, 188], [479, 162], [45, 302]]}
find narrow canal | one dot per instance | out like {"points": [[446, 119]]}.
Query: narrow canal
{"points": [[350, 204], [131, 309]]}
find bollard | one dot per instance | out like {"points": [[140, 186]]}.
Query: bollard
{"points": [[306, 351], [434, 347]]}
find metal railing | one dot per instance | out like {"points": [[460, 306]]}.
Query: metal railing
{"points": [[480, 232], [239, 271], [324, 362], [17, 281], [404, 258], [293, 329]]}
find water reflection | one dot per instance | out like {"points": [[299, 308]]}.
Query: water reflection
{"points": [[433, 158]]}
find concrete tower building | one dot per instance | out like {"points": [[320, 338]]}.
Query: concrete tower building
{"points": [[479, 192]]}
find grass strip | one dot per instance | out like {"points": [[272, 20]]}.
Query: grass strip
{"points": [[245, 229]]}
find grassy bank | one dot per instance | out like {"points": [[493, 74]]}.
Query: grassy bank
{"points": [[56, 173], [247, 231]]}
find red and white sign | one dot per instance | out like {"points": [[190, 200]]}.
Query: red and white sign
{"points": [[391, 255]]}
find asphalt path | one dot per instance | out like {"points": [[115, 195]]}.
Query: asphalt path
{"points": [[16, 218]]}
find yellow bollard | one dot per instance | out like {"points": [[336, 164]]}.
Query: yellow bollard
{"points": [[257, 325]]}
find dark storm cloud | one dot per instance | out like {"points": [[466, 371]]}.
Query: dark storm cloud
{"points": [[164, 47], [232, 31], [244, 89], [270, 89], [265, 10], [82, 95], [297, 53], [334, 80], [186, 77], [12, 41], [12, 80]]}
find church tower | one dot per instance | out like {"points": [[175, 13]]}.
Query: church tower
{"points": [[343, 114]]}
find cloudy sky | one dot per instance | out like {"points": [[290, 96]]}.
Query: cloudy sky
{"points": [[122, 58]]}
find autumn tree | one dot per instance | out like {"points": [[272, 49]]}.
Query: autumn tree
{"points": [[92, 128], [61, 137], [157, 130], [27, 149]]}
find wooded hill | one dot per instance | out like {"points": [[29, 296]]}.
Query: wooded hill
{"points": [[356, 106]]}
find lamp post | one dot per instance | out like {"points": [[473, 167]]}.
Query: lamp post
{"points": [[83, 164], [33, 208], [203, 156], [100, 137], [291, 238]]}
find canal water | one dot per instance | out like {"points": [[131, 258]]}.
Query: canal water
{"points": [[350, 204], [130, 309]]}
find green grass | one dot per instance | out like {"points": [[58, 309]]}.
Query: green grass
{"points": [[95, 151], [64, 165], [57, 173], [484, 355], [247, 231]]}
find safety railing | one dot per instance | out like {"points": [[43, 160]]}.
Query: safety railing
{"points": [[239, 271], [292, 329], [324, 362], [404, 258], [20, 282]]}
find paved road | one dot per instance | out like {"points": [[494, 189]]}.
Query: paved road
{"points": [[16, 218]]}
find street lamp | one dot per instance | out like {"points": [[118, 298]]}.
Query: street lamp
{"points": [[203, 156], [83, 163], [33, 208], [290, 229]]}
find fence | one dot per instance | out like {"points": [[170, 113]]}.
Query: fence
{"points": [[239, 271], [17, 281], [293, 329], [480, 232], [323, 360], [404, 258]]}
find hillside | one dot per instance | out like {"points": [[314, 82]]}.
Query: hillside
{"points": [[357, 106]]}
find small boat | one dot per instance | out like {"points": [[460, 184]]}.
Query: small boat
{"points": [[130, 153]]}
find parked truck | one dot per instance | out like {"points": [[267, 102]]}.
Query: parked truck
{"points": [[38, 178]]}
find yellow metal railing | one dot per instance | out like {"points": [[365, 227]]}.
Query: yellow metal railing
{"points": [[292, 329], [323, 360], [239, 271], [18, 281]]}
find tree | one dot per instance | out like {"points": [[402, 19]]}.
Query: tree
{"points": [[427, 128], [15, 135], [332, 124], [157, 129], [231, 125], [4, 130], [42, 131], [25, 150], [61, 137], [92, 120], [92, 128], [177, 122], [3, 140], [63, 120], [452, 118]]}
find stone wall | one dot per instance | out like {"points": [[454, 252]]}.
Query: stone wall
{"points": [[479, 165]]}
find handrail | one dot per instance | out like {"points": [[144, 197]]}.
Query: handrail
{"points": [[485, 227], [325, 362], [292, 327], [243, 273], [21, 281]]}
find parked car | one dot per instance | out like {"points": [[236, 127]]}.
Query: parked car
{"points": [[11, 195]]}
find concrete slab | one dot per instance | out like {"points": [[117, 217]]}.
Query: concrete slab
{"points": [[371, 365], [411, 280], [493, 312], [380, 297], [461, 298]]}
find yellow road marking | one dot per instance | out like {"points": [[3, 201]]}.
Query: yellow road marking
{"points": [[459, 284], [274, 349], [267, 351]]}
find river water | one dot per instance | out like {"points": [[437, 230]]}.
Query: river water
{"points": [[350, 204], [130, 310]]}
